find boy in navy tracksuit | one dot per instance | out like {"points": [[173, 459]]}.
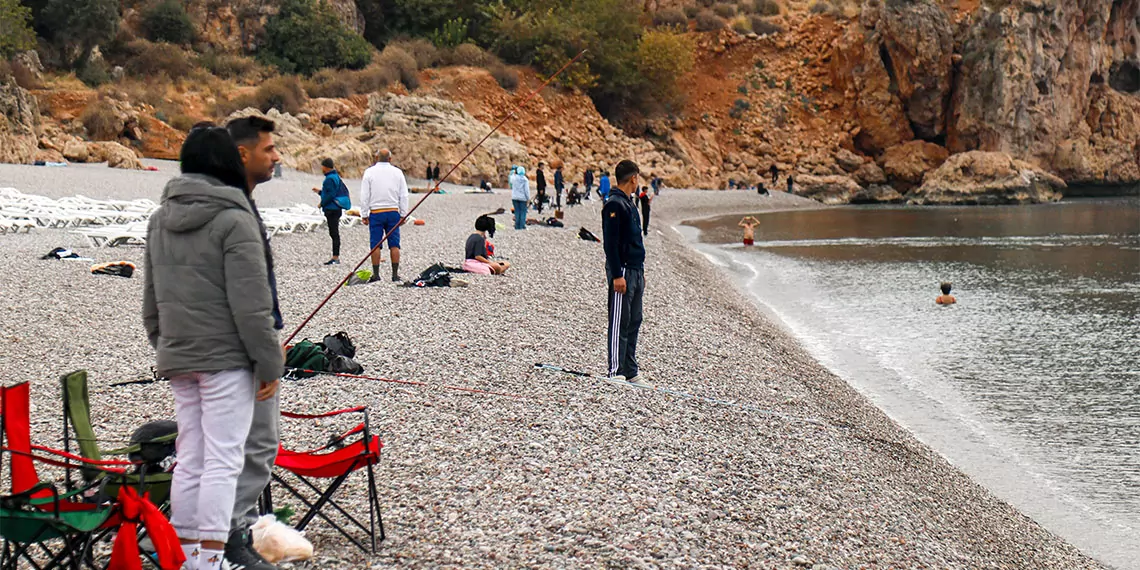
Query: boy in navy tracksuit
{"points": [[625, 266]]}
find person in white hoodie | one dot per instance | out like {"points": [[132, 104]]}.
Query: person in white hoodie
{"points": [[520, 195], [383, 203]]}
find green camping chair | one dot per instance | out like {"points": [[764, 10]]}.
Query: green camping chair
{"points": [[39, 525], [77, 417]]}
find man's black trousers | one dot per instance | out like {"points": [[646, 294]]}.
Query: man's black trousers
{"points": [[625, 322], [333, 217]]}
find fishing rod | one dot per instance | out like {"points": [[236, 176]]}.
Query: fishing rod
{"points": [[684, 395], [435, 189], [415, 383]]}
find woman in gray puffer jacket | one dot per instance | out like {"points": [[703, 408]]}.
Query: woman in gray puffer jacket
{"points": [[208, 311]]}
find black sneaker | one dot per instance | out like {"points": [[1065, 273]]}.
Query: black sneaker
{"points": [[333, 262], [240, 555], [374, 279], [396, 279]]}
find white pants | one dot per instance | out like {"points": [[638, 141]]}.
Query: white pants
{"points": [[214, 412]]}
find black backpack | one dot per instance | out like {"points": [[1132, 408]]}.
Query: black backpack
{"points": [[339, 343], [155, 456], [340, 351], [435, 276]]}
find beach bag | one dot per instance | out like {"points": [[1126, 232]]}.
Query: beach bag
{"points": [[306, 355], [585, 234], [362, 277], [340, 351], [342, 198], [156, 456], [555, 223], [341, 364]]}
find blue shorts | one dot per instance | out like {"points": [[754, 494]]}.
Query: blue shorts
{"points": [[380, 223]]}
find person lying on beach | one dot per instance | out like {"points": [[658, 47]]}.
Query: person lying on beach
{"points": [[749, 224], [946, 298], [477, 259]]}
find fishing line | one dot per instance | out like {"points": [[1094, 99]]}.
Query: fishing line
{"points": [[380, 243], [683, 395], [415, 383]]}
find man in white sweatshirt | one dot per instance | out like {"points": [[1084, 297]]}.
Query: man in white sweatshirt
{"points": [[383, 203]]}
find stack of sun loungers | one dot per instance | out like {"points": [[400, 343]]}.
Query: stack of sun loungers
{"points": [[111, 223]]}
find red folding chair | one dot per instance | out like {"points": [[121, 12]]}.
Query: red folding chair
{"points": [[335, 461], [47, 529]]}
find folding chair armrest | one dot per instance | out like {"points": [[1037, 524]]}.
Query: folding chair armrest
{"points": [[113, 466], [137, 446], [297, 416]]}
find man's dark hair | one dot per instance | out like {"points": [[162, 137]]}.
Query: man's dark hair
{"points": [[625, 170], [211, 151], [247, 130], [327, 163], [945, 288]]}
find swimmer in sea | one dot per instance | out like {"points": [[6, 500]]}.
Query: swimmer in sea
{"points": [[946, 298], [749, 224]]}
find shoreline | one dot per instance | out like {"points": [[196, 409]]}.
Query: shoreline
{"points": [[993, 464], [595, 474]]}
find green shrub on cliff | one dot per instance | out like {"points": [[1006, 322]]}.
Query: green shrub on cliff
{"points": [[306, 36], [15, 28], [167, 21]]}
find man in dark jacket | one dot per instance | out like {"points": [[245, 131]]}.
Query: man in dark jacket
{"points": [[435, 172], [588, 181], [334, 200], [625, 266], [254, 137], [559, 185]]}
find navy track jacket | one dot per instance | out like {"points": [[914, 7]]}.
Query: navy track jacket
{"points": [[621, 235]]}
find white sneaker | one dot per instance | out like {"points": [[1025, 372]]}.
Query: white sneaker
{"points": [[640, 382]]}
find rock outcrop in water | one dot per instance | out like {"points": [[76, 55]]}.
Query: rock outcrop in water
{"points": [[987, 178]]}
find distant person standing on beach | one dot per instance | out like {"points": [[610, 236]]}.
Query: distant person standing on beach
{"points": [[520, 195], [435, 173], [791, 183], [775, 171], [588, 182], [749, 224], [559, 186], [428, 174], [946, 298], [254, 138], [644, 199], [383, 203], [604, 185], [334, 201], [625, 266]]}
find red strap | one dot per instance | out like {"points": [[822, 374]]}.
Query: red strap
{"points": [[135, 509], [16, 411], [81, 459], [324, 415]]}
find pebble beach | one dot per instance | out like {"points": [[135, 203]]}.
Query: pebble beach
{"points": [[556, 471]]}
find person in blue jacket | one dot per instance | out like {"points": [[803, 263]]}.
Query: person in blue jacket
{"points": [[520, 195], [604, 185], [334, 201]]}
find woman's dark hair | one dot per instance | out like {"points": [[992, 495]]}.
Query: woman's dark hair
{"points": [[211, 151], [945, 287], [485, 224]]}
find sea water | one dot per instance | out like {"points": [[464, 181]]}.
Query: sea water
{"points": [[1030, 383]]}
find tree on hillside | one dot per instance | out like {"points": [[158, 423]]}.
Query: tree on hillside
{"points": [[15, 28], [547, 33], [78, 26], [305, 36], [663, 56], [167, 21]]}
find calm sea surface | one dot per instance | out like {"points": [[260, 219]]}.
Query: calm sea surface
{"points": [[1031, 383]]}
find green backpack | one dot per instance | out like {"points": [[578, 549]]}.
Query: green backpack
{"points": [[306, 355]]}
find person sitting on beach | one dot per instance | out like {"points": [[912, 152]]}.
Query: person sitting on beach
{"points": [[574, 197], [749, 224], [946, 298], [477, 259]]}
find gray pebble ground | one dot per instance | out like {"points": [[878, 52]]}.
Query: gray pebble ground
{"points": [[579, 473]]}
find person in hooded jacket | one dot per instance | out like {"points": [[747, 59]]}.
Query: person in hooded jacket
{"points": [[208, 310], [520, 195]]}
